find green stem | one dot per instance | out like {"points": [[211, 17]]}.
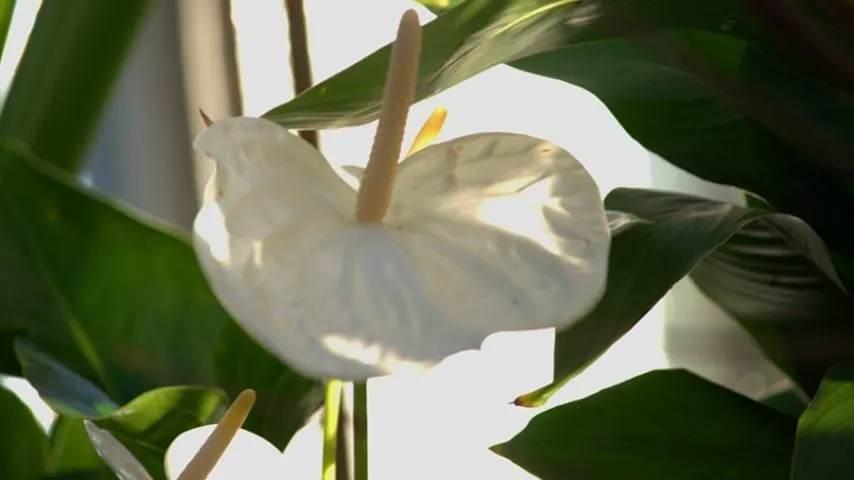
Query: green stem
{"points": [[360, 428], [331, 408]]}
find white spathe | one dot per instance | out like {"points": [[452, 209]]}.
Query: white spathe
{"points": [[246, 455], [486, 233]]}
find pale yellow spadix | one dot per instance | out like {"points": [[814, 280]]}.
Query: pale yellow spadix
{"points": [[427, 257]]}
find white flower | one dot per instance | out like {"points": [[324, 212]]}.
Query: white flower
{"points": [[347, 279]]}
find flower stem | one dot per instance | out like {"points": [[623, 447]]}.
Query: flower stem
{"points": [[360, 428], [331, 408]]}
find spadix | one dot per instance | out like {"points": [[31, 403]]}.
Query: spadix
{"points": [[486, 233]]}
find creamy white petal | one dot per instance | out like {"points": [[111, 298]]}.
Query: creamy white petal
{"points": [[115, 455], [487, 233], [247, 456], [508, 231], [253, 152]]}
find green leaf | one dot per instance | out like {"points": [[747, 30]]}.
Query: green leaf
{"points": [[676, 234], [72, 59], [791, 402], [439, 6], [148, 424], [771, 273], [478, 34], [23, 444], [64, 391], [284, 399], [71, 452], [475, 35], [721, 109], [7, 7], [118, 300], [9, 364], [825, 437], [663, 424]]}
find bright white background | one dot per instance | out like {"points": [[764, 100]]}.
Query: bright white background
{"points": [[439, 424]]}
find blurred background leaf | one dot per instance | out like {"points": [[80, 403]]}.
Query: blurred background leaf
{"points": [[73, 58], [662, 424], [23, 444], [825, 437]]}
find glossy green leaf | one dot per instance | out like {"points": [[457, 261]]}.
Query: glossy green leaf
{"points": [[118, 300], [71, 452], [675, 234], [284, 399], [7, 7], [478, 34], [23, 444], [719, 108], [62, 83], [825, 437], [663, 424]]}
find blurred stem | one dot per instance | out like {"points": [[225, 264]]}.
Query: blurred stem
{"points": [[300, 61], [73, 57], [331, 410], [7, 7], [360, 428]]}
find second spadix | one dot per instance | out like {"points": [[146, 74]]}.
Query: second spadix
{"points": [[425, 258]]}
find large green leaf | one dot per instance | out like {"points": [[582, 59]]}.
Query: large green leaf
{"points": [[663, 424], [121, 303], [721, 109], [477, 34], [284, 399], [23, 444], [825, 437], [674, 234], [63, 81], [772, 274], [118, 300], [146, 426]]}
